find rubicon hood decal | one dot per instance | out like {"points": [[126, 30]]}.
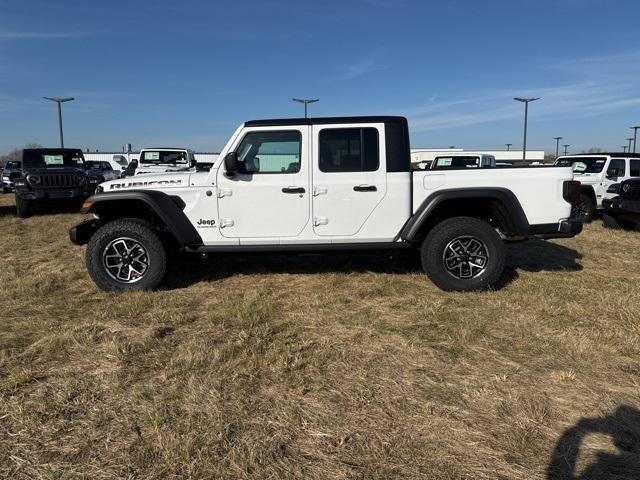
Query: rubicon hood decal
{"points": [[117, 185], [147, 181]]}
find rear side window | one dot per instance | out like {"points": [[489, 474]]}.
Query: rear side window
{"points": [[635, 168], [349, 150]]}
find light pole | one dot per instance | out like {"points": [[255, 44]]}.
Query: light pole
{"points": [[60, 101], [557, 139], [629, 140], [566, 148], [624, 149], [508, 146], [526, 102], [306, 101], [635, 136]]}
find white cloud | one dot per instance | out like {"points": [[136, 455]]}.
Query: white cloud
{"points": [[26, 35], [602, 85]]}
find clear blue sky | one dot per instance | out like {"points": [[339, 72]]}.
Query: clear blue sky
{"points": [[187, 73]]}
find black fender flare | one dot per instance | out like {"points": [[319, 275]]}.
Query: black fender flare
{"points": [[518, 223], [167, 208]]}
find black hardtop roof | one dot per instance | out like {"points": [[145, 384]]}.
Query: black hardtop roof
{"points": [[604, 154], [322, 120], [49, 150]]}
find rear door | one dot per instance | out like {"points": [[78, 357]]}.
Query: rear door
{"points": [[270, 197], [349, 176]]}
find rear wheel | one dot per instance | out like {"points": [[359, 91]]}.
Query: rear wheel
{"points": [[126, 254], [24, 208], [463, 253], [583, 210]]}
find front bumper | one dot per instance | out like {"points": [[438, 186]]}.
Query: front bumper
{"points": [[563, 229], [57, 194], [621, 205], [82, 232]]}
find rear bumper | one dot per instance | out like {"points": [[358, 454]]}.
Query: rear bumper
{"points": [[82, 232], [563, 229]]}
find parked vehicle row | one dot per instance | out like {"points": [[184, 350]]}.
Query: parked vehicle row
{"points": [[324, 184], [596, 173]]}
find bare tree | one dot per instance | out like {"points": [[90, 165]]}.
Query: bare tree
{"points": [[594, 150], [15, 155]]}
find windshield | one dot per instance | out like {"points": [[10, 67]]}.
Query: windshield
{"points": [[155, 157], [53, 158], [97, 165], [14, 165], [455, 162], [583, 164]]}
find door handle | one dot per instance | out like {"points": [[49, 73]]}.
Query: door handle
{"points": [[319, 191], [224, 192], [226, 222], [365, 188], [293, 190], [317, 221]]}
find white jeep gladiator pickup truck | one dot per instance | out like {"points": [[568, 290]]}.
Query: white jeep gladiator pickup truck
{"points": [[596, 173], [323, 184]]}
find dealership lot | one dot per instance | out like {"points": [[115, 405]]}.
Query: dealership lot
{"points": [[310, 366]]}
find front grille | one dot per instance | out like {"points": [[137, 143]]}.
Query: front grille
{"points": [[630, 189], [57, 180]]}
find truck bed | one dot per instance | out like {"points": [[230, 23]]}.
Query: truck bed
{"points": [[538, 189]]}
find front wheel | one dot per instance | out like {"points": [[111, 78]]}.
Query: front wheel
{"points": [[126, 254], [462, 254], [24, 208]]}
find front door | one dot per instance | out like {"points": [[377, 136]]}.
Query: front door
{"points": [[349, 177], [269, 197]]}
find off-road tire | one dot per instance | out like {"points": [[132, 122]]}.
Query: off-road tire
{"points": [[6, 190], [584, 209], [610, 222], [437, 242], [24, 208], [132, 228]]}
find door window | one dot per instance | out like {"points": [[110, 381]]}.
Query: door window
{"points": [[349, 150], [635, 168], [618, 164], [270, 152]]}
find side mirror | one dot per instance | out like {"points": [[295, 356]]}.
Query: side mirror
{"points": [[612, 172], [231, 163], [193, 163]]}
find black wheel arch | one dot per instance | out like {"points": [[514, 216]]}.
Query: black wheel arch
{"points": [[162, 210], [588, 191], [500, 203]]}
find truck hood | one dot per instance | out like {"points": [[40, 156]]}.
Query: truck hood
{"points": [[160, 181]]}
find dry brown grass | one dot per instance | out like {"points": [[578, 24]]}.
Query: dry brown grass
{"points": [[317, 367]]}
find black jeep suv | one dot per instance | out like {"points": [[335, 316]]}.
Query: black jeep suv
{"points": [[623, 210], [52, 175]]}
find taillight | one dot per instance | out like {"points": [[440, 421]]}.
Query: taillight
{"points": [[571, 191]]}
